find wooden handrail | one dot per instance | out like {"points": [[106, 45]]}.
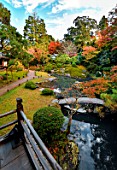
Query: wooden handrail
{"points": [[8, 124], [42, 146], [22, 117], [36, 148], [46, 160], [8, 113]]}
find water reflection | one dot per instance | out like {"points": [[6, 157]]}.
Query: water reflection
{"points": [[97, 150], [97, 141]]}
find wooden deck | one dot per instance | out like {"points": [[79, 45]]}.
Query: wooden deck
{"points": [[13, 156]]}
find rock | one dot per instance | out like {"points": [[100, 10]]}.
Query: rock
{"points": [[52, 79], [88, 100], [69, 100]]}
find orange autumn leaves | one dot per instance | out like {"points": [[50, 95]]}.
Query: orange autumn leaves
{"points": [[100, 85], [93, 87], [89, 52], [37, 52], [53, 46]]}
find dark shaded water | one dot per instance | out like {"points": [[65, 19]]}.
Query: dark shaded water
{"points": [[97, 142]]}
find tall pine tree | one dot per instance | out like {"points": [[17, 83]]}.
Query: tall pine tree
{"points": [[34, 29]]}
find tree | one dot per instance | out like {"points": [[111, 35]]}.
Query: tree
{"points": [[107, 39], [103, 23], [89, 52], [34, 29], [82, 32], [53, 47], [39, 55], [4, 15], [69, 48], [8, 34]]}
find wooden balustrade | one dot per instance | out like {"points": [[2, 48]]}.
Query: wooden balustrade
{"points": [[37, 150]]}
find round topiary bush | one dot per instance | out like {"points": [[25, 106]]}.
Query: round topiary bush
{"points": [[30, 85], [47, 91], [47, 122]]}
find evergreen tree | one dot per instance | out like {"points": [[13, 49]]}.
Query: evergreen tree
{"points": [[103, 23], [4, 15], [81, 33], [34, 29]]}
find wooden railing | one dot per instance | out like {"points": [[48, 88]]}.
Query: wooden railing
{"points": [[37, 150]]}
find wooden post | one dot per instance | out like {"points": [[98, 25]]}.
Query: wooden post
{"points": [[19, 108]]}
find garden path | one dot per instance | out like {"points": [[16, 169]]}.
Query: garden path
{"points": [[30, 75]]}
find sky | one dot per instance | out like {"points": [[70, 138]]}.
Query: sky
{"points": [[58, 15]]}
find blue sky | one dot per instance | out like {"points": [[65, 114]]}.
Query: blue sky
{"points": [[58, 15]]}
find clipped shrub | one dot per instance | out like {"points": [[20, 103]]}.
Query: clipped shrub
{"points": [[47, 122], [47, 91], [30, 85], [48, 68]]}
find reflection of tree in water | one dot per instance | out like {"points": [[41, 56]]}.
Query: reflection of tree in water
{"points": [[104, 146]]}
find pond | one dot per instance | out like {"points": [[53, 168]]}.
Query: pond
{"points": [[97, 144], [97, 140]]}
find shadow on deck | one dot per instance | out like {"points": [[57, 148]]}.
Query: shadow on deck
{"points": [[13, 155]]}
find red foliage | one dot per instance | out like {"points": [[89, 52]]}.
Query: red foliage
{"points": [[114, 74], [114, 69], [95, 87], [114, 48], [53, 47], [108, 36], [36, 52], [88, 49]]}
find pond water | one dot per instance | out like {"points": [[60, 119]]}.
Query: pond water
{"points": [[97, 142]]}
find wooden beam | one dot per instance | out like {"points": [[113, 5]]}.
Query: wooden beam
{"points": [[8, 124], [8, 113]]}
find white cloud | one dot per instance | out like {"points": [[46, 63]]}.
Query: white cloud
{"points": [[76, 4], [61, 25], [29, 5], [17, 3], [92, 8]]}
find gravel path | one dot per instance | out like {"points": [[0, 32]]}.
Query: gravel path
{"points": [[31, 75]]}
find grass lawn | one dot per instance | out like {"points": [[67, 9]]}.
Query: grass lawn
{"points": [[32, 101], [16, 75]]}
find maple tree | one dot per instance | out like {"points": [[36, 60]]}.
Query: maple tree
{"points": [[114, 74], [38, 54], [89, 52], [107, 36], [69, 48], [53, 46], [95, 87]]}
